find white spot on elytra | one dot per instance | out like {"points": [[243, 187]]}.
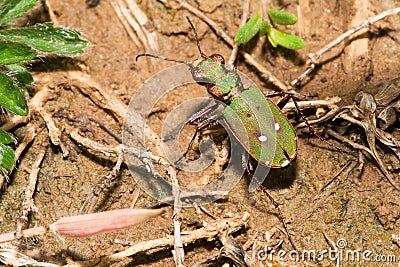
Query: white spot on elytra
{"points": [[285, 163], [262, 138], [277, 126]]}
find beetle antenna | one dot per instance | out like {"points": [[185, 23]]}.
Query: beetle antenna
{"points": [[196, 36], [164, 58]]}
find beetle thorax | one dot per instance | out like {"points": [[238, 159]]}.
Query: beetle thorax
{"points": [[212, 73]]}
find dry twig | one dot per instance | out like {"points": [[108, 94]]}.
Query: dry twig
{"points": [[28, 204], [235, 50], [107, 100], [369, 127], [105, 182], [132, 17], [12, 257], [125, 23], [315, 58], [119, 150], [336, 175]]}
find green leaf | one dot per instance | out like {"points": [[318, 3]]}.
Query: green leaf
{"points": [[11, 96], [14, 53], [45, 37], [282, 17], [6, 156], [9, 9], [271, 39], [19, 73], [265, 28], [249, 30], [5, 138], [20, 77], [284, 39]]}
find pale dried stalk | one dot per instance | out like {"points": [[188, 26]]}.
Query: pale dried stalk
{"points": [[14, 258], [329, 115], [178, 251], [54, 132], [106, 150], [369, 127], [119, 150], [107, 100], [102, 97], [132, 17], [346, 140], [133, 23], [304, 19], [125, 23], [235, 50], [52, 14], [358, 47], [330, 103], [28, 204], [145, 24], [105, 182], [31, 232]]}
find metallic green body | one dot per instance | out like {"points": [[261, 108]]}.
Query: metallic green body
{"points": [[255, 121], [266, 133]]}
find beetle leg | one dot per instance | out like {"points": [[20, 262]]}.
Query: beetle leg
{"points": [[310, 128], [259, 185], [202, 114], [283, 101], [205, 124], [249, 170], [203, 119]]}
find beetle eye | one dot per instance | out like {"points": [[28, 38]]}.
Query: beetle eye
{"points": [[217, 58]]}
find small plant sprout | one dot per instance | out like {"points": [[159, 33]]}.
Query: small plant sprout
{"points": [[258, 24]]}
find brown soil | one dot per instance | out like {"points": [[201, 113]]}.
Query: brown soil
{"points": [[359, 207]]}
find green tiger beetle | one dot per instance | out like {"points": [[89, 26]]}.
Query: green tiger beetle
{"points": [[270, 138]]}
